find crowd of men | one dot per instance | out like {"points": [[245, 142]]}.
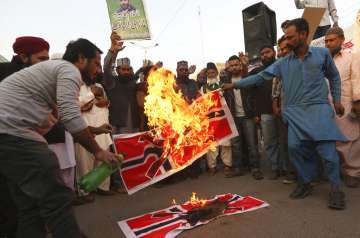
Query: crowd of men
{"points": [[302, 102]]}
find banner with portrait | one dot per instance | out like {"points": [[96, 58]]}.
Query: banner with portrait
{"points": [[128, 19]]}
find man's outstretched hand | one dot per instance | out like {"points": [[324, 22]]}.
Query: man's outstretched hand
{"points": [[227, 86]]}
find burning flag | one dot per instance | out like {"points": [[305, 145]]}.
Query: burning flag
{"points": [[184, 128], [170, 222], [181, 133]]}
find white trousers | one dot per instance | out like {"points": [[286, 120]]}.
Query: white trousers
{"points": [[225, 154]]}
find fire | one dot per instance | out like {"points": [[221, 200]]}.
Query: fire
{"points": [[195, 201], [183, 128]]}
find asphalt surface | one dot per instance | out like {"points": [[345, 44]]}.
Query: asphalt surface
{"points": [[308, 217]]}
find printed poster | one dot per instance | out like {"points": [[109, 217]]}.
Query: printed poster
{"points": [[128, 19]]}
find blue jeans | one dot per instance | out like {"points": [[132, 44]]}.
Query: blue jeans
{"points": [[247, 132], [271, 132], [303, 156], [284, 153]]}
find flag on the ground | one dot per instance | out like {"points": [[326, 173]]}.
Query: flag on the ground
{"points": [[142, 165], [170, 222]]}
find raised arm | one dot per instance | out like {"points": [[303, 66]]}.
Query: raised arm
{"points": [[109, 61], [300, 4], [333, 12], [257, 79]]}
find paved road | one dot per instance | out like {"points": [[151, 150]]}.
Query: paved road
{"points": [[283, 219]]}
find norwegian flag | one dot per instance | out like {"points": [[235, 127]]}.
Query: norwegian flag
{"points": [[142, 165], [170, 222]]}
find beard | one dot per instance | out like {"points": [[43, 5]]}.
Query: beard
{"points": [[87, 79], [124, 78], [268, 62], [335, 51]]}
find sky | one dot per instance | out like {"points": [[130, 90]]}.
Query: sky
{"points": [[176, 26]]}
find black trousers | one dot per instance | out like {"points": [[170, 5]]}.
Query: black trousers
{"points": [[43, 202], [8, 212]]}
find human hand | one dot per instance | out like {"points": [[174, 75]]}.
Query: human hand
{"points": [[227, 86], [108, 157], [244, 58], [102, 102], [47, 125], [147, 63], [97, 91], [192, 69], [103, 129], [116, 43], [339, 108], [87, 106]]}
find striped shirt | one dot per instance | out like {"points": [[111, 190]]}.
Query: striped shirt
{"points": [[29, 97]]}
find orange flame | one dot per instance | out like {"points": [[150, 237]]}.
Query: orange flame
{"points": [[183, 127], [195, 201]]}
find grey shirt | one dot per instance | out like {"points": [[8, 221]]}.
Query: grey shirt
{"points": [[29, 96]]}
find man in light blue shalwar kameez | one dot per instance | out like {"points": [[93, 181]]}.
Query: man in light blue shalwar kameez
{"points": [[307, 111]]}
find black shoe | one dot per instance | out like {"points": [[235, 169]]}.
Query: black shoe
{"points": [[301, 191], [257, 174], [337, 200], [230, 172]]}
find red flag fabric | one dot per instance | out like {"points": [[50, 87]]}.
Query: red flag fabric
{"points": [[170, 222], [142, 165]]}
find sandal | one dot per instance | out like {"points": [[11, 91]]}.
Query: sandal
{"points": [[337, 200]]}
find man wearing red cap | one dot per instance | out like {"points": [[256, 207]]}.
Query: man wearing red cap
{"points": [[29, 50], [42, 95]]}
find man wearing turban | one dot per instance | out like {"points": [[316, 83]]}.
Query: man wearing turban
{"points": [[28, 50]]}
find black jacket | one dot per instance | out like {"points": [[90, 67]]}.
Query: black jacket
{"points": [[262, 95], [246, 97], [9, 68]]}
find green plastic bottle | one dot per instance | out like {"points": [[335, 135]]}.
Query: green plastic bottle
{"points": [[91, 181]]}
